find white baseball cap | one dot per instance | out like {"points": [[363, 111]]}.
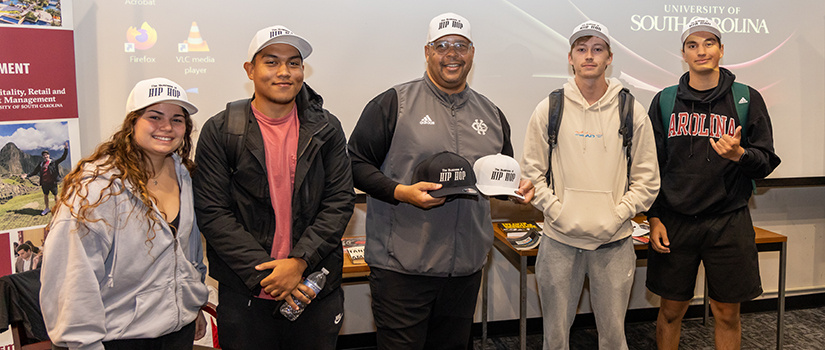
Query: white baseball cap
{"points": [[700, 24], [447, 24], [156, 90], [498, 175], [592, 28], [278, 35]]}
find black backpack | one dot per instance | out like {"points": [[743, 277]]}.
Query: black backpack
{"points": [[236, 127], [626, 101]]}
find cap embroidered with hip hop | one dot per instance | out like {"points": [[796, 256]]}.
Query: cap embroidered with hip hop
{"points": [[700, 24], [451, 170], [448, 24], [590, 28], [278, 35], [498, 175], [156, 90]]}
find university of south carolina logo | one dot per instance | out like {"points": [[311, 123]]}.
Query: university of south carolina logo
{"points": [[480, 127]]}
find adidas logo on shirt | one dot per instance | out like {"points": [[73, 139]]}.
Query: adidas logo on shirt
{"points": [[742, 101], [426, 121]]}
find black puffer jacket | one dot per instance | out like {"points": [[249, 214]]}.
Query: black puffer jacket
{"points": [[235, 213]]}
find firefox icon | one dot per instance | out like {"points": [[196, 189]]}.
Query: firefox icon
{"points": [[143, 38]]}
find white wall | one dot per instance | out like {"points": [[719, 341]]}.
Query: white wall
{"points": [[361, 48]]}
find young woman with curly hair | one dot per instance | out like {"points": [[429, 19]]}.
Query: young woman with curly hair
{"points": [[123, 266]]}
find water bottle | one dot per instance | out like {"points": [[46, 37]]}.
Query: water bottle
{"points": [[315, 281]]}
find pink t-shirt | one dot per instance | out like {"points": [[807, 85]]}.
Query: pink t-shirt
{"points": [[281, 149]]}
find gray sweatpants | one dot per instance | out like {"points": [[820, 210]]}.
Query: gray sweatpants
{"points": [[560, 271]]}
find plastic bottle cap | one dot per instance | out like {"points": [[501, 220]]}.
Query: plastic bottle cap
{"points": [[324, 270]]}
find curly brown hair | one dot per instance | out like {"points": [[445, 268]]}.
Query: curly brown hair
{"points": [[120, 152]]}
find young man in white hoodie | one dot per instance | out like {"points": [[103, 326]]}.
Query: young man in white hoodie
{"points": [[590, 195]]}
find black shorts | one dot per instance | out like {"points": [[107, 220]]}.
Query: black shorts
{"points": [[52, 187], [725, 244]]}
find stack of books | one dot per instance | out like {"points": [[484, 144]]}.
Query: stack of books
{"points": [[354, 246]]}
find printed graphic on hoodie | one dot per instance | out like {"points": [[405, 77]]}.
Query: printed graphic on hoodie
{"points": [[687, 124], [588, 135]]}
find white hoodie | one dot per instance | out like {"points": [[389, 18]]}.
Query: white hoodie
{"points": [[592, 204]]}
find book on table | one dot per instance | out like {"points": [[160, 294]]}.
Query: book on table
{"points": [[641, 232], [522, 235], [354, 246]]}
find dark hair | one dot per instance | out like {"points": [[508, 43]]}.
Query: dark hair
{"points": [[35, 249], [586, 38], [23, 246], [718, 41], [45, 151]]}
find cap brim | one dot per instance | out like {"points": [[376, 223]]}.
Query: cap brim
{"points": [[299, 43], [185, 105], [443, 192], [589, 32], [498, 191], [700, 28], [446, 34]]}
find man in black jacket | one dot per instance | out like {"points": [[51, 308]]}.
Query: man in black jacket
{"points": [[49, 173], [273, 202], [708, 154]]}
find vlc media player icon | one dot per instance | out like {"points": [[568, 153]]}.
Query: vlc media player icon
{"points": [[194, 42]]}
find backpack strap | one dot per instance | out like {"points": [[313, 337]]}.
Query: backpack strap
{"points": [[556, 110], [667, 100], [236, 127], [626, 101], [742, 100], [553, 122]]}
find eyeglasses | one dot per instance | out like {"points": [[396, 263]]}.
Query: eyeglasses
{"points": [[442, 47]]}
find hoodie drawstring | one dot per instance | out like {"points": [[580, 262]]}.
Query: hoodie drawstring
{"points": [[601, 124], [707, 144], [690, 116]]}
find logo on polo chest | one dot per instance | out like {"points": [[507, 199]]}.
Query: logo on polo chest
{"points": [[480, 127]]}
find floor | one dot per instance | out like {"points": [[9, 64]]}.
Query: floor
{"points": [[804, 330]]}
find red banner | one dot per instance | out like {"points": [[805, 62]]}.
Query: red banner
{"points": [[37, 74]]}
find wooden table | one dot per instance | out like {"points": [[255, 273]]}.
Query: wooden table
{"points": [[525, 260]]}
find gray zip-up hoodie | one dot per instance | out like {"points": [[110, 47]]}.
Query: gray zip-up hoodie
{"points": [[105, 282]]}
